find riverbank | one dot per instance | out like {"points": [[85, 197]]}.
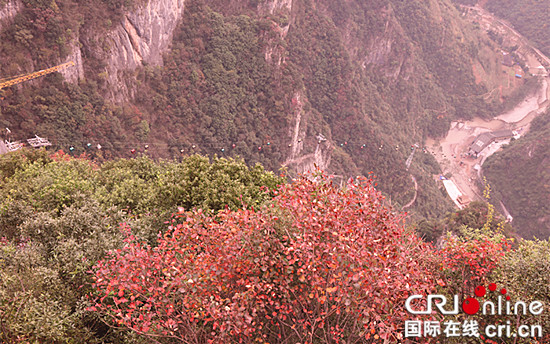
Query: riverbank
{"points": [[451, 152]]}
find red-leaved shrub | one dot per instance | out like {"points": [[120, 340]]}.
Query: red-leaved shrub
{"points": [[319, 264]]}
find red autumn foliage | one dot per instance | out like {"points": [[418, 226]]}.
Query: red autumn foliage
{"points": [[469, 263], [319, 264]]}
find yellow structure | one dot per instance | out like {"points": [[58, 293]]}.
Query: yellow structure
{"points": [[18, 79]]}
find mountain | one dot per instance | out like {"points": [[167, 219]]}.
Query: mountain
{"points": [[353, 87], [518, 175], [529, 17], [520, 178], [345, 86]]}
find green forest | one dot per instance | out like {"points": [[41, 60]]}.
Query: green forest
{"points": [[521, 179]]}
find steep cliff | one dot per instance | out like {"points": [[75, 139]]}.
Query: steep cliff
{"points": [[139, 39], [75, 73], [8, 11], [299, 161], [275, 6]]}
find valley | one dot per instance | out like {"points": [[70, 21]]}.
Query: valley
{"points": [[268, 171], [261, 86], [452, 152]]}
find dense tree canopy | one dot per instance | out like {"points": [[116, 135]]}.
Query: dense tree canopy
{"points": [[60, 215], [521, 179], [241, 259]]}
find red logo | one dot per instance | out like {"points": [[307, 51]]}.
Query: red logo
{"points": [[471, 306]]}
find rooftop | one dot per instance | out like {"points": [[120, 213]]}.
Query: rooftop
{"points": [[483, 140]]}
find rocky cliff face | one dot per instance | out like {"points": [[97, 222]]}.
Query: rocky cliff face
{"points": [[141, 38], [275, 6], [380, 49], [299, 159], [76, 72], [9, 11]]}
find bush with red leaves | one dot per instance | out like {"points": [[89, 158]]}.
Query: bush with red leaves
{"points": [[318, 264]]}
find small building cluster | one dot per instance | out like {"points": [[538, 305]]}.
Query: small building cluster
{"points": [[458, 197], [541, 71], [485, 139]]}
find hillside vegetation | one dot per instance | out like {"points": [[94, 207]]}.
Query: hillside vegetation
{"points": [[520, 176], [529, 17], [173, 232], [89, 253], [372, 77], [60, 215]]}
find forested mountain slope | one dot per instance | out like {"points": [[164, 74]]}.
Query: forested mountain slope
{"points": [[529, 17], [346, 86], [520, 176]]}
